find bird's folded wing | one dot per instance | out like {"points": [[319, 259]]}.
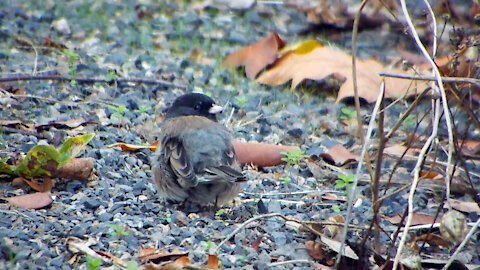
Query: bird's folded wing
{"points": [[175, 154], [221, 173]]}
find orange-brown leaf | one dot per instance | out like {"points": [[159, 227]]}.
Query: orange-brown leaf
{"points": [[417, 219], [178, 264], [212, 262], [315, 250], [158, 256], [433, 240], [466, 207], [314, 61], [44, 186], [31, 201], [339, 155], [256, 56], [260, 154], [134, 147]]}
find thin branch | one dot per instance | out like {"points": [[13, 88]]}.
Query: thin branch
{"points": [[416, 179], [448, 120], [355, 84], [431, 78], [305, 226], [292, 262], [351, 196], [89, 80]]}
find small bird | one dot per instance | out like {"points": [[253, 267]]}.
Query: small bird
{"points": [[195, 160]]}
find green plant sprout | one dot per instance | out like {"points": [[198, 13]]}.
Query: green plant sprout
{"points": [[336, 208], [208, 245], [293, 157], [118, 111], [169, 217], [142, 109], [242, 101], [72, 58], [219, 212], [118, 231], [344, 182], [286, 179], [111, 76], [410, 122], [347, 113], [93, 263]]}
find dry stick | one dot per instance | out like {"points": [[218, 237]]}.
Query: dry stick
{"points": [[460, 247], [292, 262], [416, 179], [359, 124], [244, 224], [355, 85], [448, 121], [431, 78], [375, 183], [28, 96], [88, 80], [357, 172]]}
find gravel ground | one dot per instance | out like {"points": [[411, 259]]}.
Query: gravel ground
{"points": [[147, 39]]}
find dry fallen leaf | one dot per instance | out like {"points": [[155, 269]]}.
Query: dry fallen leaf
{"points": [[256, 56], [454, 226], [45, 185], [335, 246], [466, 207], [76, 169], [31, 201], [151, 254], [431, 239], [134, 147], [315, 250], [417, 219], [398, 150], [339, 155], [332, 231], [470, 147], [312, 60], [212, 262]]}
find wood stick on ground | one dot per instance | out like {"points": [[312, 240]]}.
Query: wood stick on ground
{"points": [[90, 80]]}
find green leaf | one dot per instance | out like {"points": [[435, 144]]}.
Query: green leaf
{"points": [[41, 160], [340, 184], [5, 168], [73, 146], [93, 263], [132, 265]]}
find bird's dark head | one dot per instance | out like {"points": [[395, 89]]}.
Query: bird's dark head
{"points": [[194, 104]]}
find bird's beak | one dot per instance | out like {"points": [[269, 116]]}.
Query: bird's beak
{"points": [[215, 109]]}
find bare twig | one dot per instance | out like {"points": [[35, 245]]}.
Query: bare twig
{"points": [[431, 78], [89, 80], [28, 96], [243, 225], [448, 120], [352, 192], [305, 226], [292, 262], [375, 186], [416, 179]]}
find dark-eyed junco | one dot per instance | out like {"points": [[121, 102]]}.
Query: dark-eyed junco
{"points": [[195, 160]]}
